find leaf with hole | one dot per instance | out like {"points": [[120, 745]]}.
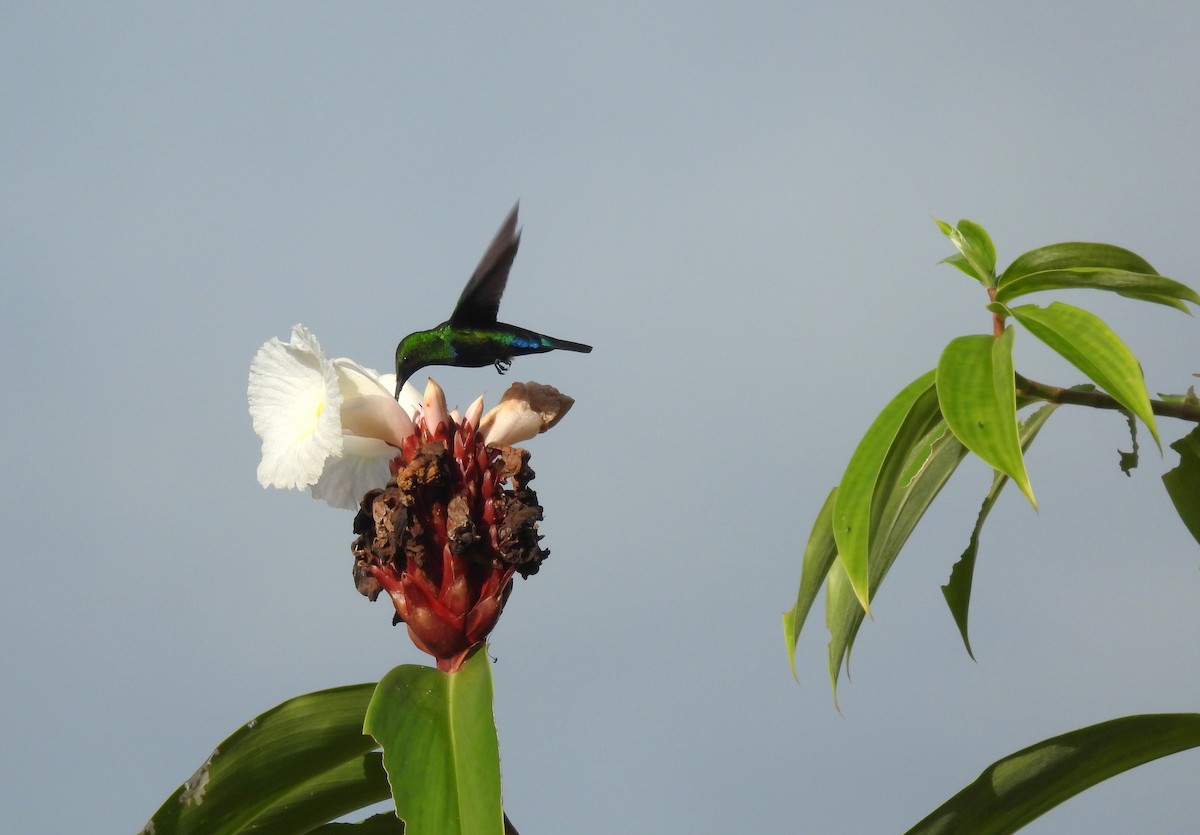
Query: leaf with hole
{"points": [[310, 743]]}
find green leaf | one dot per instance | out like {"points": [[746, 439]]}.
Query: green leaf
{"points": [[1189, 397], [1084, 340], [440, 748], [843, 616], [977, 253], [927, 454], [1153, 298], [1074, 254], [1141, 286], [957, 590], [267, 760], [959, 262], [819, 554], [977, 392], [1183, 482], [1076, 265], [352, 785], [854, 511], [979, 243], [1019, 788]]}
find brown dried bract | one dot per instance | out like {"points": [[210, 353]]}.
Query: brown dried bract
{"points": [[428, 506], [431, 468]]}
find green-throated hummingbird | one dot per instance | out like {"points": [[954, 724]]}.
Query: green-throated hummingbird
{"points": [[472, 337]]}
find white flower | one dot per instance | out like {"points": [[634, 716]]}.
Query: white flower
{"points": [[331, 425]]}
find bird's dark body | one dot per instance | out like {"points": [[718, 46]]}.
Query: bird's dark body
{"points": [[472, 337]]}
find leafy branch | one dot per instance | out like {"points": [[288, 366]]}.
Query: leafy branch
{"points": [[1184, 407], [969, 403]]}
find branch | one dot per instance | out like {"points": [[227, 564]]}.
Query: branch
{"points": [[1100, 400]]}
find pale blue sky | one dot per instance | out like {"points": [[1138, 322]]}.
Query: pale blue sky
{"points": [[732, 203]]}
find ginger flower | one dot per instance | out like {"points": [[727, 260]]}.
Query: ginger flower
{"points": [[330, 425], [446, 535]]}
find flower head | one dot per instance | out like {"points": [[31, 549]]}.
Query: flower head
{"points": [[446, 535]]}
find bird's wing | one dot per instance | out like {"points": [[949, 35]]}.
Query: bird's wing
{"points": [[480, 299]]}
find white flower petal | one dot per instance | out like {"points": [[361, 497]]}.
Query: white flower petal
{"points": [[377, 416], [357, 381], [294, 405], [511, 423], [363, 467]]}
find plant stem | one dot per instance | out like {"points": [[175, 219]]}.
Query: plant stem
{"points": [[1100, 400], [997, 319]]}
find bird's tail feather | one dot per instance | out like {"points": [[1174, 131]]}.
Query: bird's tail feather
{"points": [[568, 345]]}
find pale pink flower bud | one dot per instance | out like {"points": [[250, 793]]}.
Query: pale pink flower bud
{"points": [[525, 411]]}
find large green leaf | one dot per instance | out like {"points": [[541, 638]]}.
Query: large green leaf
{"points": [[267, 761], [977, 392], [1183, 482], [1143, 286], [1017, 789], [1084, 340], [854, 510], [439, 747], [1076, 265], [1074, 254], [957, 590], [819, 554], [928, 456]]}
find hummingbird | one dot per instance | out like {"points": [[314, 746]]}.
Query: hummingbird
{"points": [[472, 337]]}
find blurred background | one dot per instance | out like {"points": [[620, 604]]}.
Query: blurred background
{"points": [[732, 202]]}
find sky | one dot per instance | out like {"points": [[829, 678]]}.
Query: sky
{"points": [[733, 203]]}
